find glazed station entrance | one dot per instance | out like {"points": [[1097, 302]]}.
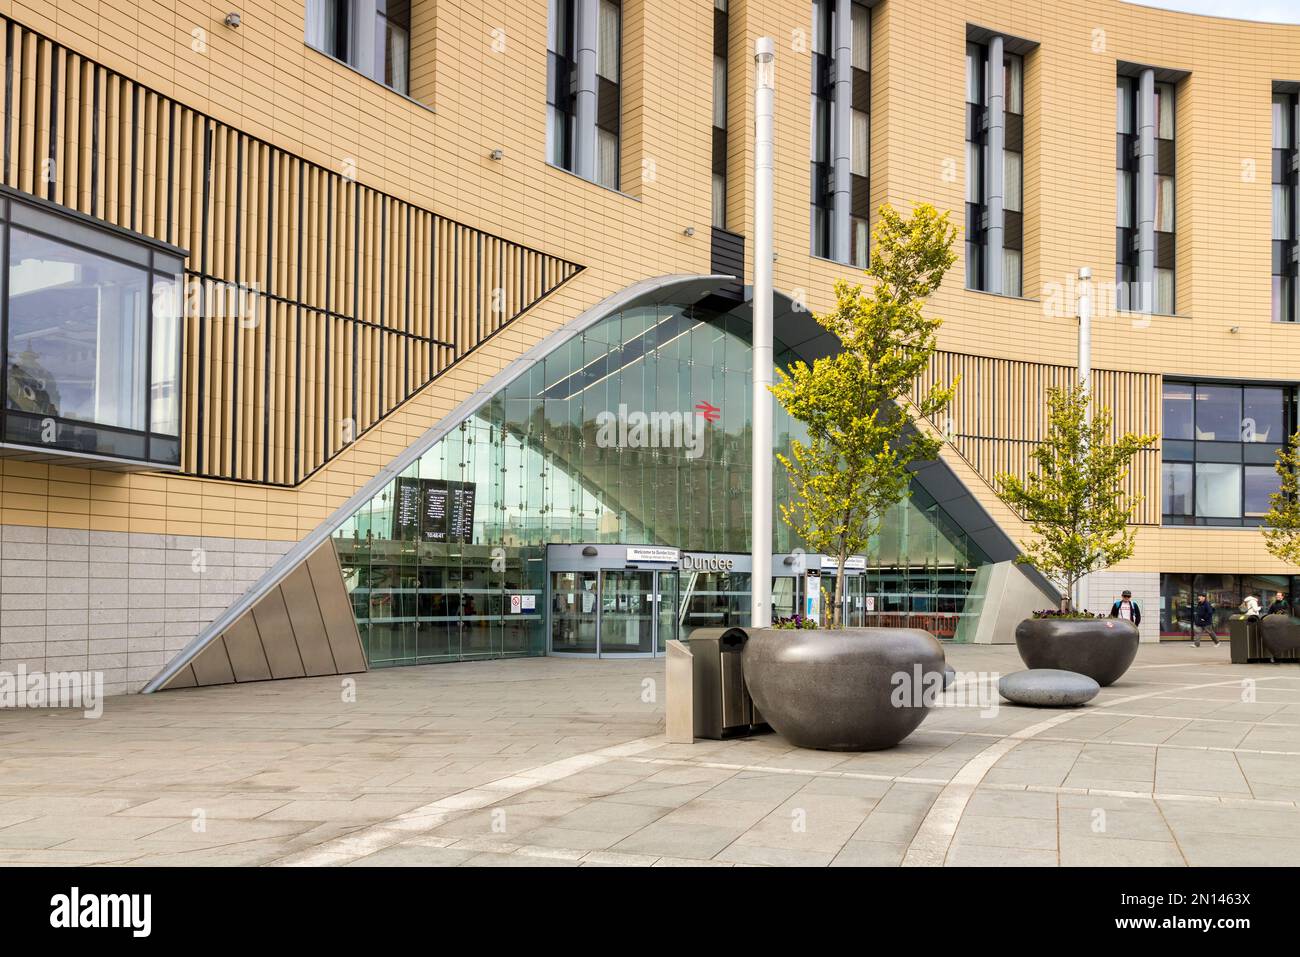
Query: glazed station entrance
{"points": [[624, 601]]}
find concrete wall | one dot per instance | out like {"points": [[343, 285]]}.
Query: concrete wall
{"points": [[117, 602]]}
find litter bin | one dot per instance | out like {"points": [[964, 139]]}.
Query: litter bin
{"points": [[722, 705], [1243, 639]]}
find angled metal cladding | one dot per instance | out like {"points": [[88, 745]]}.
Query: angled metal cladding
{"points": [[241, 634]]}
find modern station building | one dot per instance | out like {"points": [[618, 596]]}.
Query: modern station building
{"points": [[343, 334]]}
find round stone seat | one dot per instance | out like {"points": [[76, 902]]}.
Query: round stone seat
{"points": [[1048, 688]]}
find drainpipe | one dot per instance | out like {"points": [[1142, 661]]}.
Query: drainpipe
{"points": [[842, 129], [1147, 189], [996, 138], [584, 110]]}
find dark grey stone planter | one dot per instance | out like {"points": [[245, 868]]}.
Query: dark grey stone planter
{"points": [[1280, 634], [1101, 648], [835, 690]]}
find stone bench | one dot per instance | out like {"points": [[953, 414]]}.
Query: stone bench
{"points": [[1048, 688]]}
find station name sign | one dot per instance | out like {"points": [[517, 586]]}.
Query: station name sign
{"points": [[707, 563]]}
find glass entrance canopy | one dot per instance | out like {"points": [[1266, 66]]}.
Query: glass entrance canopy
{"points": [[634, 431]]}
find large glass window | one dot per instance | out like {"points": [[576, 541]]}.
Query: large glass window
{"points": [[605, 440], [1218, 490], [1220, 443], [92, 337], [1177, 410], [1218, 413]]}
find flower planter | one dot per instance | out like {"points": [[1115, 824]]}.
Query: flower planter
{"points": [[1101, 648], [1280, 634], [837, 690]]}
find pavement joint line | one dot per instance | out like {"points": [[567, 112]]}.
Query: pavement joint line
{"points": [[805, 772], [1062, 739], [376, 837], [930, 844]]}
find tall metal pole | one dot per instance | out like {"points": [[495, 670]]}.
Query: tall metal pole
{"points": [[1085, 369], [760, 607]]}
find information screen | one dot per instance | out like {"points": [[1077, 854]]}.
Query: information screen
{"points": [[433, 510]]}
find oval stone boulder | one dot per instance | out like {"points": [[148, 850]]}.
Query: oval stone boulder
{"points": [[1048, 688]]}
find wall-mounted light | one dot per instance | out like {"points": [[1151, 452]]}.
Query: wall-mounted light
{"points": [[590, 551], [1235, 329], [688, 231], [497, 154], [232, 20]]}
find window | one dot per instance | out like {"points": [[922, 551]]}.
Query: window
{"points": [[561, 85], [1176, 483], [1218, 490], [1262, 482], [719, 146], [371, 36], [1012, 181], [990, 267], [861, 142], [1177, 410], [1014, 92], [584, 112], [1165, 111], [92, 331], [1286, 229], [720, 92], [840, 194], [1164, 204], [1220, 443], [860, 238]]}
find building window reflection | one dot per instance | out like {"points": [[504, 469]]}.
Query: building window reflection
{"points": [[92, 337], [1220, 443]]}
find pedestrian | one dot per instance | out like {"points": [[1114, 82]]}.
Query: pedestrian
{"points": [[1127, 608], [1280, 605], [1250, 607], [1203, 620]]}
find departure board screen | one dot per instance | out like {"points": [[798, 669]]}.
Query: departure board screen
{"points": [[433, 510]]}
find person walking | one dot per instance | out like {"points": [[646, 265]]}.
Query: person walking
{"points": [[1203, 621], [1127, 608], [1280, 605]]}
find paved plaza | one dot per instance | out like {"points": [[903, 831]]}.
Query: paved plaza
{"points": [[1187, 760]]}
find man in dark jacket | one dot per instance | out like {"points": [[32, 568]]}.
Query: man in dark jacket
{"points": [[1203, 621], [1280, 605], [1127, 609]]}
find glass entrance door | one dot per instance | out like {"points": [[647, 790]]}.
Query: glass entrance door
{"points": [[613, 613], [627, 612], [575, 604]]}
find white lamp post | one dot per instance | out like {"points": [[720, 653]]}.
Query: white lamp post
{"points": [[760, 614]]}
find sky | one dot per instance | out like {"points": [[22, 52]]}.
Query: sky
{"points": [[1272, 11]]}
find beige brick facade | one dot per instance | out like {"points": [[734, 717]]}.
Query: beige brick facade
{"points": [[479, 74]]}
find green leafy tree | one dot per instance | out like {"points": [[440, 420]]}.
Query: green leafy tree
{"points": [[1282, 523], [1073, 499], [857, 404]]}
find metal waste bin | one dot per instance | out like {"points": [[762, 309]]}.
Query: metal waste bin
{"points": [[722, 705], [1243, 639]]}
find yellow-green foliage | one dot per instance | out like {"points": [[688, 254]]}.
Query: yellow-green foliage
{"points": [[861, 437]]}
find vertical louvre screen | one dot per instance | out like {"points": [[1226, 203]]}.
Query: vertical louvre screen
{"points": [[315, 305], [1000, 414]]}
